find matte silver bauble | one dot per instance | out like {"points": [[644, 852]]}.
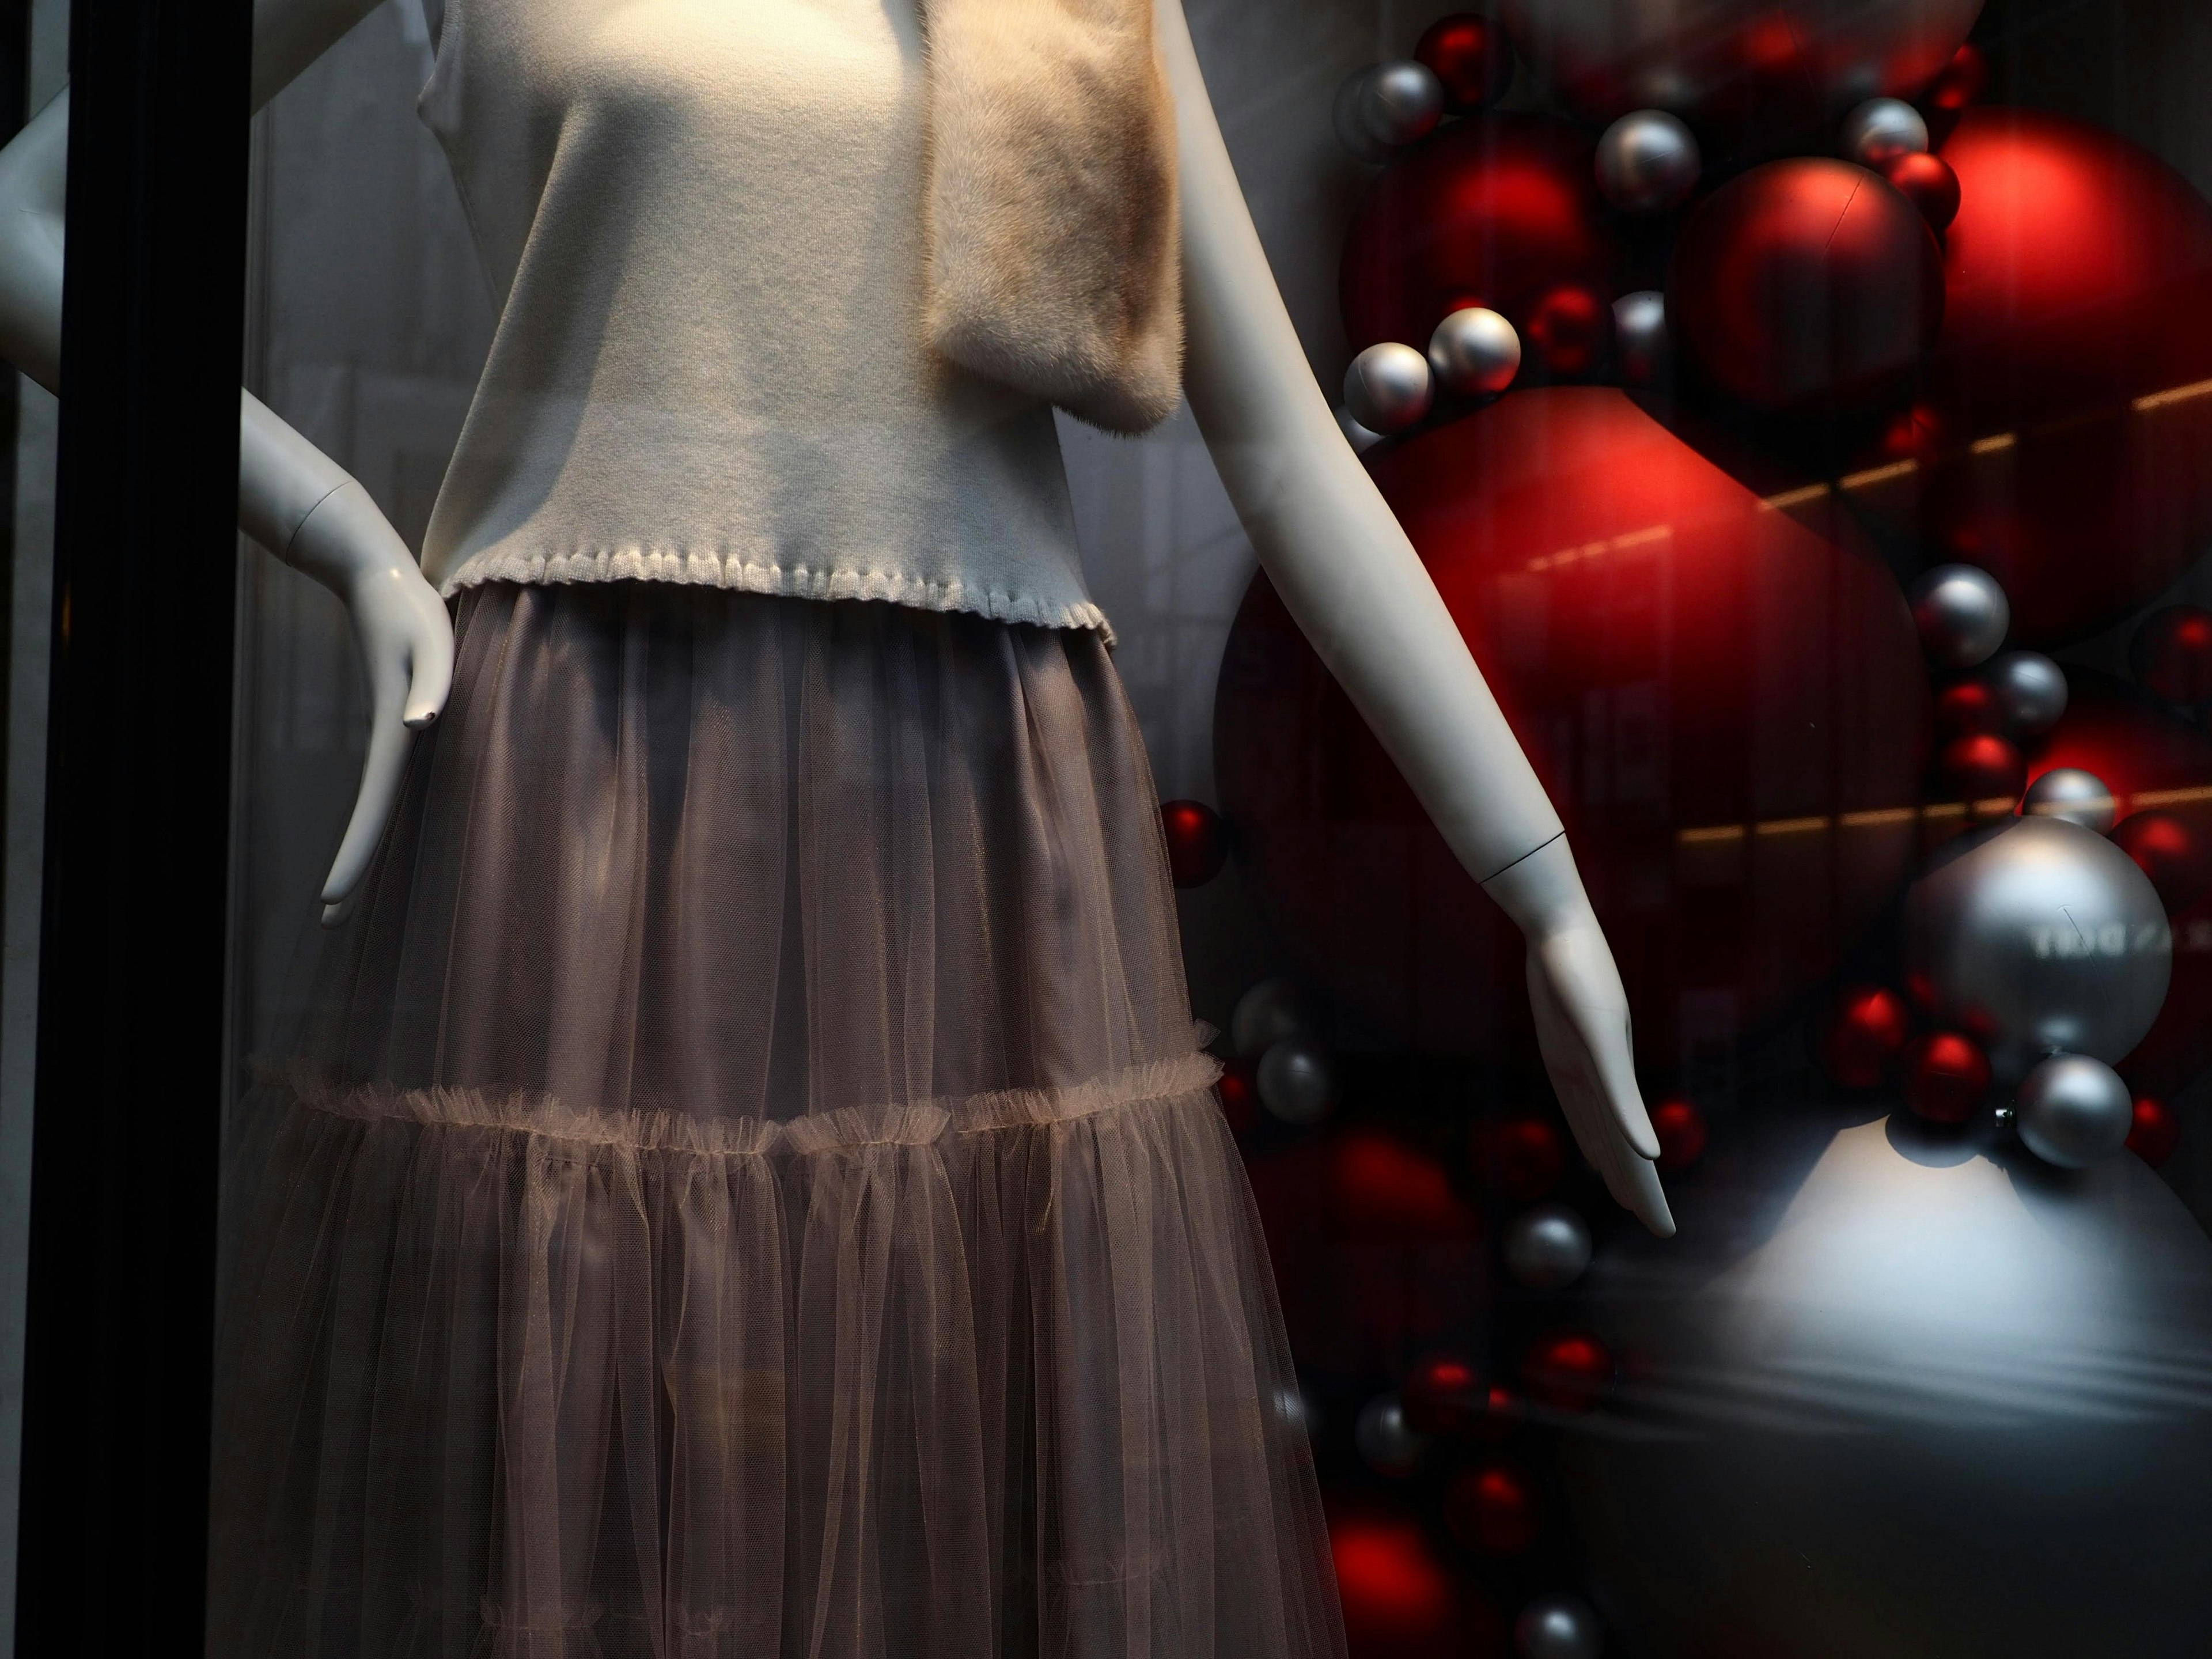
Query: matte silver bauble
{"points": [[1388, 106], [2068, 793], [1387, 1442], [2030, 688], [1640, 343], [1557, 1627], [1388, 387], [1962, 614], [1648, 162], [1265, 1015], [1474, 352], [1547, 1247], [2035, 936], [1720, 60], [1297, 1082], [1880, 130], [2073, 1111], [1895, 1393]]}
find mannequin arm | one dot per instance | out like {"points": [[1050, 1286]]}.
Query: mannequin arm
{"points": [[293, 499], [1348, 575]]}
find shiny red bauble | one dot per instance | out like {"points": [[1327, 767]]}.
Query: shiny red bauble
{"points": [[1806, 284], [1239, 1090], [1566, 333], [1946, 1077], [1867, 1032], [2156, 1131], [1495, 1508], [1471, 56], [2067, 445], [2172, 653], [1725, 699], [2168, 850], [1445, 1394], [1927, 183], [1496, 210], [1682, 1132], [1401, 1599], [1968, 708], [1985, 773], [1568, 1371], [1522, 1157], [1198, 845]]}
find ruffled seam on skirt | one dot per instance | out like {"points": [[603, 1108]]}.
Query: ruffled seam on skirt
{"points": [[912, 1123]]}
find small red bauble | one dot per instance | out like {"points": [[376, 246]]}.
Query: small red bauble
{"points": [[1806, 284], [2172, 653], [1960, 81], [1866, 1034], [1495, 1508], [1471, 56], [2169, 852], [1568, 330], [1946, 1076], [1198, 844], [1240, 1096], [1968, 708], [1984, 772], [1680, 1128], [1927, 183], [1444, 1394], [1566, 1369], [1525, 1156], [2156, 1133]]}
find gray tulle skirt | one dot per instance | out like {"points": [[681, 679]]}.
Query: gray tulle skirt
{"points": [[750, 1185]]}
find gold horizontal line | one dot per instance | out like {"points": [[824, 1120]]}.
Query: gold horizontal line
{"points": [[2170, 797], [1990, 446], [1875, 475], [1716, 832], [1789, 498], [1885, 815], [1790, 826], [2173, 394]]}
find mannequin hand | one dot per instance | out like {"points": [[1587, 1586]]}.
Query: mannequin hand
{"points": [[406, 642], [1582, 1026]]}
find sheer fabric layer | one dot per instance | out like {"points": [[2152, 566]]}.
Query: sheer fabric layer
{"points": [[749, 1186]]}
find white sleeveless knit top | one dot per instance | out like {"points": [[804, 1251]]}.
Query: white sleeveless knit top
{"points": [[703, 224]]}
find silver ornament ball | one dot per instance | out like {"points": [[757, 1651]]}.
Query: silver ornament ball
{"points": [[1474, 352], [1880, 130], [2069, 792], [1962, 614], [1296, 1082], [2030, 688], [1356, 436], [2073, 1111], [1387, 1442], [1388, 387], [1387, 106], [1648, 162], [1641, 344], [2039, 935], [1557, 1627], [1267, 1013], [1547, 1247]]}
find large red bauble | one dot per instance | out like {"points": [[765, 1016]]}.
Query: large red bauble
{"points": [[1946, 1077], [2152, 762], [1866, 1034], [2065, 417], [1726, 701], [2171, 854], [1804, 283], [1496, 210], [1401, 1599], [1495, 1508]]}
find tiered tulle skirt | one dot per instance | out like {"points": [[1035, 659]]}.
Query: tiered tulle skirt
{"points": [[751, 1185]]}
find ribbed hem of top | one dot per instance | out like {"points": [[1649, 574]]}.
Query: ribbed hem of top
{"points": [[713, 569]]}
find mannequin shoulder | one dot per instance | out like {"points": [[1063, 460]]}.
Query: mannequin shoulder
{"points": [[291, 35]]}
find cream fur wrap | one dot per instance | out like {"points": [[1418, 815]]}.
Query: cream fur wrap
{"points": [[1054, 255]]}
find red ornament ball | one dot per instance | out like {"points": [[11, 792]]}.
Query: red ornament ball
{"points": [[1959, 82], [1927, 183], [2171, 854], [1866, 1035], [1568, 331], [1985, 773], [2156, 1133], [1401, 1599], [1968, 708], [1522, 1157], [1445, 1394], [1806, 284], [1471, 56], [1495, 210], [2172, 653], [1495, 1508], [1946, 1076], [1681, 1130], [1240, 1096], [1198, 843], [1567, 1369]]}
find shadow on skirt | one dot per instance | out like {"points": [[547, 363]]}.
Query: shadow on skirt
{"points": [[749, 1184]]}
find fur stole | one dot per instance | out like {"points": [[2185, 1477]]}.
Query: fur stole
{"points": [[1054, 256]]}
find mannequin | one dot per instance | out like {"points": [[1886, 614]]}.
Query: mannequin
{"points": [[1323, 533]]}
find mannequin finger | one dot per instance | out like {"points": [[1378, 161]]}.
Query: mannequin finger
{"points": [[381, 774], [1650, 1203], [1605, 1035], [430, 674]]}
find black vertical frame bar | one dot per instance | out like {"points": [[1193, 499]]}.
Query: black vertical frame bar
{"points": [[131, 974]]}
